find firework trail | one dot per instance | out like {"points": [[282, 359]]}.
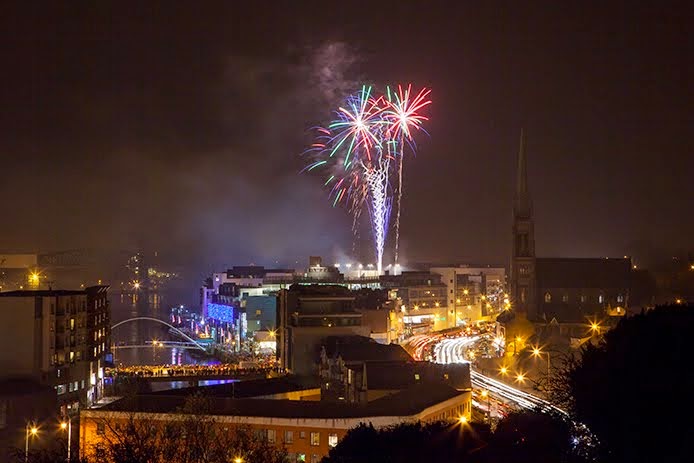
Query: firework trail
{"points": [[402, 114], [361, 148]]}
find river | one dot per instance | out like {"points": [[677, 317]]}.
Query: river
{"points": [[140, 332]]}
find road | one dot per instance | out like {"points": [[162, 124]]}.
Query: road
{"points": [[452, 350]]}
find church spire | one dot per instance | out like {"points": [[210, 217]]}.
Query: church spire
{"points": [[522, 203]]}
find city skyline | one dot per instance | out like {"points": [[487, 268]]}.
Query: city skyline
{"points": [[189, 125]]}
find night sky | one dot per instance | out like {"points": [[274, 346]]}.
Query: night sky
{"points": [[181, 129]]}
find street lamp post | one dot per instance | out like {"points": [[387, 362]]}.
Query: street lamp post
{"points": [[486, 394], [68, 425], [30, 431], [538, 353]]}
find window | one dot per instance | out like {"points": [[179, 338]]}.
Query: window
{"points": [[565, 298], [315, 458], [548, 297], [302, 434], [620, 298], [258, 312], [72, 323], [583, 298], [416, 376], [271, 436], [288, 437], [315, 439], [601, 299], [100, 428], [332, 440]]}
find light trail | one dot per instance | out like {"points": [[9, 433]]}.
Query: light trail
{"points": [[451, 350]]}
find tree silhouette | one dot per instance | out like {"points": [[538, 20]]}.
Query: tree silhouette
{"points": [[632, 389], [193, 436]]}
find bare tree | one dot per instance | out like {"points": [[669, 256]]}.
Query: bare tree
{"points": [[192, 435]]}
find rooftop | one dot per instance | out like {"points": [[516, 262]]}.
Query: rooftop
{"points": [[53, 292], [406, 402]]}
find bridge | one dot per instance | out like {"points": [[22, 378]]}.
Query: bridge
{"points": [[156, 344], [191, 342]]}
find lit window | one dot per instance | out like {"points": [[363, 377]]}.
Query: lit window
{"points": [[271, 436], [332, 440], [548, 297], [315, 439], [583, 298], [416, 376], [620, 298], [601, 299], [288, 437]]}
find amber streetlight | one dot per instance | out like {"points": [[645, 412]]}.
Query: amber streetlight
{"points": [[30, 431]]}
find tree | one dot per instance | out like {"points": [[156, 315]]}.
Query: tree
{"points": [[531, 436], [442, 442], [632, 389], [191, 436]]}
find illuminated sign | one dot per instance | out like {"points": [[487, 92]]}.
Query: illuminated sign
{"points": [[221, 312]]}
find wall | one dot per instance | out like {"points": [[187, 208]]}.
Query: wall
{"points": [[18, 336], [450, 409]]}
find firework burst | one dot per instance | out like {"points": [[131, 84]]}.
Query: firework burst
{"points": [[361, 148]]}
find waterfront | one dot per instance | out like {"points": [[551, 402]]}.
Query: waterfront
{"points": [[147, 304]]}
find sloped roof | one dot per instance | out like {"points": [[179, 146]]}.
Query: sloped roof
{"points": [[407, 402], [361, 348], [403, 375]]}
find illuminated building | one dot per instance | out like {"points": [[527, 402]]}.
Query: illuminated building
{"points": [[306, 315], [296, 412], [59, 338]]}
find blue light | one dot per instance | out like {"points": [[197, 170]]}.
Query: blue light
{"points": [[221, 312]]}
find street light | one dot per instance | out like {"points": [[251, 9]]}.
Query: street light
{"points": [[462, 419], [503, 371], [515, 344], [538, 353], [238, 460], [30, 431], [485, 394], [595, 327], [520, 377], [68, 425]]}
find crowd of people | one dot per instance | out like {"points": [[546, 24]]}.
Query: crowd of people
{"points": [[221, 369]]}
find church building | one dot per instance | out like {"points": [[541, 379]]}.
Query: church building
{"points": [[563, 295]]}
